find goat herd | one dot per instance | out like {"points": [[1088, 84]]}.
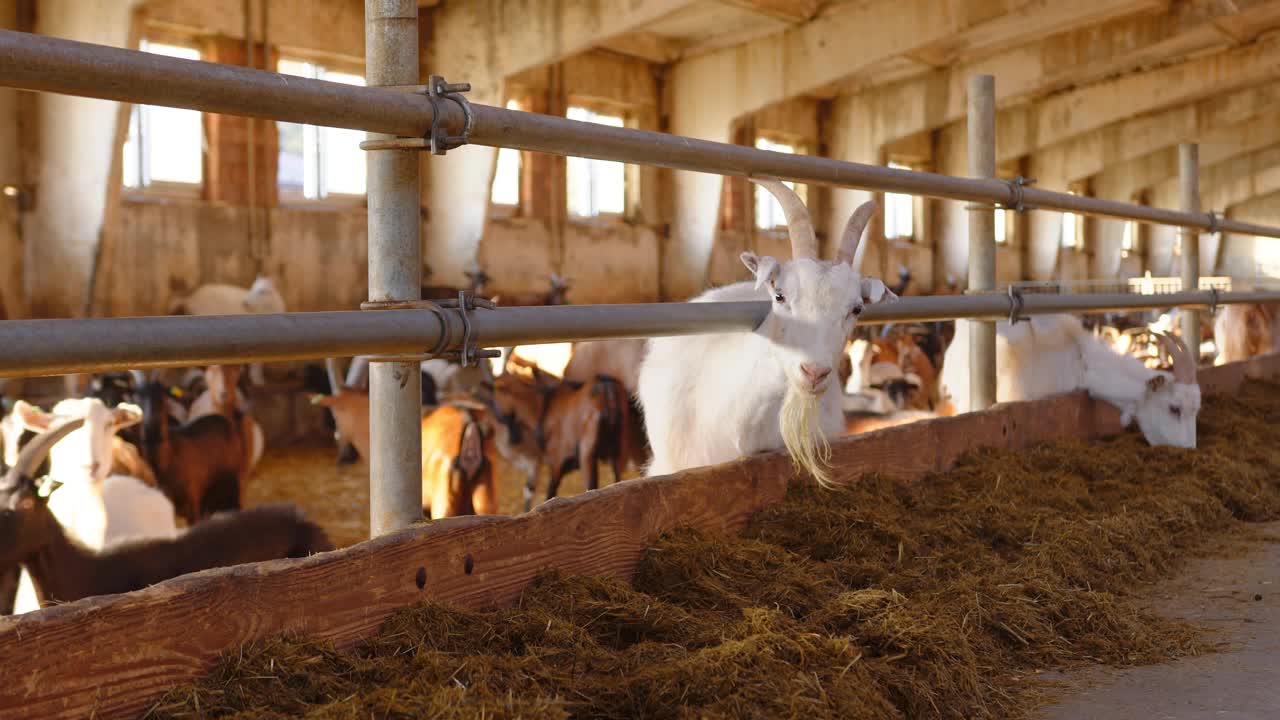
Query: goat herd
{"points": [[95, 489]]}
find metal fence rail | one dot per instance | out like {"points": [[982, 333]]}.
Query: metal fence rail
{"points": [[54, 347], [34, 62]]}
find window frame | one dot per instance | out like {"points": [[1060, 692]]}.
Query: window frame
{"points": [[913, 201], [1079, 240], [798, 147], [293, 196], [629, 184], [137, 111], [499, 210]]}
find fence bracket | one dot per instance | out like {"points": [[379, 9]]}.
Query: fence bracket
{"points": [[437, 140], [466, 304]]}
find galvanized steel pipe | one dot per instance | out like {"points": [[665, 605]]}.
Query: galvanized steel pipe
{"points": [[34, 62], [57, 347], [395, 274], [1189, 191], [982, 240]]}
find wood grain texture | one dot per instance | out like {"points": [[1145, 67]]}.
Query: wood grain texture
{"points": [[110, 656]]}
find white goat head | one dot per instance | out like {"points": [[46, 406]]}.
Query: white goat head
{"points": [[815, 303], [1167, 409], [815, 306], [85, 453], [263, 297]]}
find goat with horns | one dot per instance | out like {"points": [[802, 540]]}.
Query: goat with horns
{"points": [[712, 398]]}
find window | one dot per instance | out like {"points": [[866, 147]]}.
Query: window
{"points": [[506, 174], [899, 212], [1129, 239], [317, 162], [1004, 226], [1072, 229], [164, 145], [1266, 253], [769, 215], [595, 187]]}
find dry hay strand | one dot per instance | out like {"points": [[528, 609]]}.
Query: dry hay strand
{"points": [[938, 598]]}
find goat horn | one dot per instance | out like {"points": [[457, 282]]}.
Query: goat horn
{"points": [[36, 450], [335, 378], [799, 226], [853, 231], [1184, 371]]}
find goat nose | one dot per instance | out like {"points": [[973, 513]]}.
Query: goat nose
{"points": [[815, 372]]}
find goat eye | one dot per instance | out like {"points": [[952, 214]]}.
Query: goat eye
{"points": [[1175, 410], [778, 298], [856, 310]]}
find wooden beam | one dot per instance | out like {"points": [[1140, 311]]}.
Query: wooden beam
{"points": [[1037, 66], [808, 57], [1235, 181], [1026, 129], [1121, 179], [794, 12], [644, 45]]}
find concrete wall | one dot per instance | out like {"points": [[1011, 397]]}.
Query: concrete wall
{"points": [[74, 150]]}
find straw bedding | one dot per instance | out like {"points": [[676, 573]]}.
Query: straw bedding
{"points": [[939, 598]]}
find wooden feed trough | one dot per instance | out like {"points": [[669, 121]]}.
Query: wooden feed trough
{"points": [[110, 656]]}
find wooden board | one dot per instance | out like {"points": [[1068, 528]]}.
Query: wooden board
{"points": [[110, 656]]}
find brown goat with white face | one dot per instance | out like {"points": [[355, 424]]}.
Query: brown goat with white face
{"points": [[63, 570]]}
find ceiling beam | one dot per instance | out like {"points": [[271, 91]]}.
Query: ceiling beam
{"points": [[1026, 129], [807, 58], [794, 12], [1234, 181], [1069, 59], [1095, 151], [1119, 180], [646, 46]]}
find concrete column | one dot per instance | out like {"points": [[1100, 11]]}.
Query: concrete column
{"points": [[395, 273], [982, 240], [1189, 189]]}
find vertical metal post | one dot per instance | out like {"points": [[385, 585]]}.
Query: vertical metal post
{"points": [[395, 273], [982, 240], [1189, 189]]}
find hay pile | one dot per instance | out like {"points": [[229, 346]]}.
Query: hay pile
{"points": [[932, 599]]}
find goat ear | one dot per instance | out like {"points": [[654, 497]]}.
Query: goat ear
{"points": [[322, 400], [875, 291], [32, 417], [764, 268], [125, 415]]}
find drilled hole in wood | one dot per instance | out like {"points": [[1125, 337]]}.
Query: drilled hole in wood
{"points": [[1004, 430], [468, 564], [421, 578]]}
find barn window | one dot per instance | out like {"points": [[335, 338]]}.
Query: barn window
{"points": [[1128, 241], [319, 162], [1072, 230], [506, 174], [164, 146], [1004, 226], [899, 212], [595, 187], [769, 215]]}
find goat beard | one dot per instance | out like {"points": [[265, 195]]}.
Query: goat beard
{"points": [[803, 436]]}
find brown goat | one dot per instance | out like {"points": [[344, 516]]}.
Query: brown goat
{"points": [[458, 454], [562, 426], [1246, 330], [63, 571], [350, 408], [224, 398], [199, 465]]}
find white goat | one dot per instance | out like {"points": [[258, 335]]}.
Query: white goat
{"points": [[1054, 354], [221, 299], [98, 509], [712, 398]]}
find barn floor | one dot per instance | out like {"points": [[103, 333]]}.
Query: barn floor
{"points": [[1236, 597], [338, 497]]}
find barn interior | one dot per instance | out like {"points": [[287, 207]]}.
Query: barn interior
{"points": [[116, 210]]}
